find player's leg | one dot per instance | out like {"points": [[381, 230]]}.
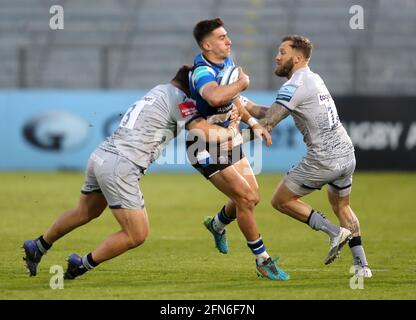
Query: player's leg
{"points": [[299, 182], [339, 198], [234, 157], [228, 212], [209, 165], [91, 204], [269, 266], [230, 182], [89, 207], [134, 230], [118, 180], [288, 202]]}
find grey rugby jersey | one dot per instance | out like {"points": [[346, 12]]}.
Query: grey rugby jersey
{"points": [[150, 123], [315, 114]]}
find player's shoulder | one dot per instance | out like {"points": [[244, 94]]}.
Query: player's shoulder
{"points": [[159, 90], [311, 78], [174, 92], [301, 77], [166, 92], [201, 62], [302, 80], [296, 85], [287, 90]]}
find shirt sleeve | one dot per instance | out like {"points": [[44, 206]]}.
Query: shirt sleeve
{"points": [[290, 96], [201, 76]]}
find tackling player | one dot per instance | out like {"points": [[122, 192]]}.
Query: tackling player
{"points": [[330, 157], [231, 174], [116, 166]]}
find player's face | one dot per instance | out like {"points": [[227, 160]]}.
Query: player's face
{"points": [[219, 43], [284, 60]]}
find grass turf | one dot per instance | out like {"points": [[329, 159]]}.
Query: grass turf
{"points": [[179, 261]]}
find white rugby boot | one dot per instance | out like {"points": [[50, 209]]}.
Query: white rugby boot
{"points": [[336, 244]]}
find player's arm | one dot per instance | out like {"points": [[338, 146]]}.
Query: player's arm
{"points": [[256, 110], [256, 129], [218, 96], [215, 133], [274, 115]]}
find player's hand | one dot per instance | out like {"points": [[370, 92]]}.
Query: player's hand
{"points": [[234, 126], [260, 132], [243, 79], [234, 114]]}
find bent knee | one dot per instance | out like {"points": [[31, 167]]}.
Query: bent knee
{"points": [[87, 213], [84, 216], [137, 240], [255, 197], [279, 205], [248, 198]]}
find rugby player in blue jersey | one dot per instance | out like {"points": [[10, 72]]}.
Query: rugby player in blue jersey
{"points": [[231, 174]]}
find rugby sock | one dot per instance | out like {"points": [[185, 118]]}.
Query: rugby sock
{"points": [[42, 245], [318, 222], [221, 220], [259, 250], [89, 262], [357, 251]]}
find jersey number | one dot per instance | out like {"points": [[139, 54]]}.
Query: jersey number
{"points": [[130, 117], [333, 118]]}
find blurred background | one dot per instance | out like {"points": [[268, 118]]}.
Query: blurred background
{"points": [[63, 91]]}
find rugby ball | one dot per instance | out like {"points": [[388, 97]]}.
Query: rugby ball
{"points": [[230, 76]]}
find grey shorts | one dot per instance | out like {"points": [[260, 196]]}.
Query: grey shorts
{"points": [[310, 175], [116, 177]]}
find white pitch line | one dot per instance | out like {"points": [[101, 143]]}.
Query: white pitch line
{"points": [[328, 270]]}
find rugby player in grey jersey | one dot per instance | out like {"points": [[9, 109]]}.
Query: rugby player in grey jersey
{"points": [[115, 168], [330, 155]]}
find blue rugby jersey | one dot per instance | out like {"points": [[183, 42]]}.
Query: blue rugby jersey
{"points": [[202, 73]]}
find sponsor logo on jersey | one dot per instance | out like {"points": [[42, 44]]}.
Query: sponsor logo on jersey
{"points": [[324, 97], [187, 108], [149, 99]]}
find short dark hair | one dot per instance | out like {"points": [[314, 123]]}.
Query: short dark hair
{"points": [[205, 27], [182, 77], [301, 44]]}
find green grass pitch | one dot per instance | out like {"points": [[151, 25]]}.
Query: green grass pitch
{"points": [[179, 261]]}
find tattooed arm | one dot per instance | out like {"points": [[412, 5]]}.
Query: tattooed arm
{"points": [[274, 115], [255, 110], [248, 116]]}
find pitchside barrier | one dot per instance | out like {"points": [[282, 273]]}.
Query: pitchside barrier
{"points": [[57, 130]]}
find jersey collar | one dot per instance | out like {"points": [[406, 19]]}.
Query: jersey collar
{"points": [[220, 66], [301, 70]]}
